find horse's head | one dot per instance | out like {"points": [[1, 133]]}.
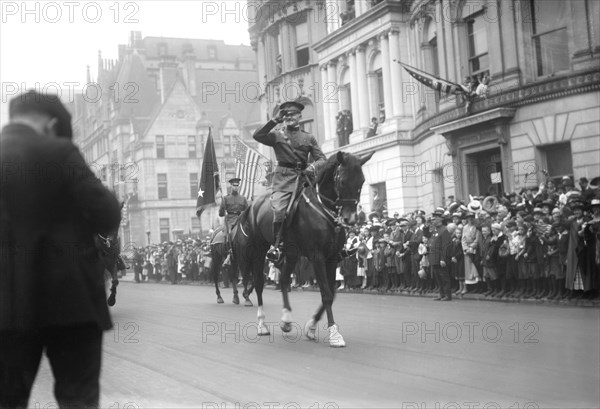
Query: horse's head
{"points": [[347, 183]]}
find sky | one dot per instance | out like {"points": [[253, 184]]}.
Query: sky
{"points": [[48, 44]]}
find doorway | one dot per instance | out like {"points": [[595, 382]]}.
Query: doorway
{"points": [[484, 173]]}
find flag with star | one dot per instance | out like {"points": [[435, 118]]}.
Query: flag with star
{"points": [[209, 185], [436, 83]]}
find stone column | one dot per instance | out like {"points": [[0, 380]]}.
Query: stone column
{"points": [[332, 96], [363, 90], [325, 104], [354, 91], [387, 77], [396, 76]]}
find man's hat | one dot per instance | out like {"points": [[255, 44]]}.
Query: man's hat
{"points": [[537, 210], [403, 222], [48, 104], [439, 212], [390, 222], [583, 180], [567, 181], [595, 202], [235, 181], [291, 105], [374, 228], [548, 202]]}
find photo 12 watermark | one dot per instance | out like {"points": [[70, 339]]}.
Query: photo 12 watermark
{"points": [[470, 332], [27, 12]]}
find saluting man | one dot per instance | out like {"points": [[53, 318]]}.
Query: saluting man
{"points": [[233, 204], [292, 148]]}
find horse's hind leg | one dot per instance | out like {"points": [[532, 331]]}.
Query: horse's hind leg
{"points": [[217, 260], [286, 316], [233, 277]]}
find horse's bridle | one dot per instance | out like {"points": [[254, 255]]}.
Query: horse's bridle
{"points": [[339, 202]]}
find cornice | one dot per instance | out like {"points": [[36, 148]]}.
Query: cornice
{"points": [[383, 8], [554, 88]]}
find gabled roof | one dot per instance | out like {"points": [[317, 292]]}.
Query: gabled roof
{"points": [[137, 94]]}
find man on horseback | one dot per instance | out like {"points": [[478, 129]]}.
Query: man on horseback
{"points": [[232, 206], [292, 147]]}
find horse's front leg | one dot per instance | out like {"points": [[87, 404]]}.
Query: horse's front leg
{"points": [[216, 262], [233, 277], [112, 298], [259, 283]]}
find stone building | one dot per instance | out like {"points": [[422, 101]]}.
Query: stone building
{"points": [[540, 111], [144, 129]]}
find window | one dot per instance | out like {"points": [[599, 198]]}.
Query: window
{"points": [[160, 146], [165, 230], [378, 198], [196, 225], [187, 48], [212, 52], [193, 185], [302, 53], [103, 174], [191, 146], [162, 185], [594, 24], [558, 160], [380, 91], [478, 44], [550, 36], [349, 13], [162, 48]]}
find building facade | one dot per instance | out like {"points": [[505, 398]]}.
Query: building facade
{"points": [[145, 133], [282, 34], [540, 61]]}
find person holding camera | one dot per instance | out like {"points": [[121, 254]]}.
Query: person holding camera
{"points": [[292, 148]]}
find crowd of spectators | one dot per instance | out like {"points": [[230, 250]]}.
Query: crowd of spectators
{"points": [[540, 244]]}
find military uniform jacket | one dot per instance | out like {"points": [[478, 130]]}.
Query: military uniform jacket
{"points": [[290, 146], [231, 207]]}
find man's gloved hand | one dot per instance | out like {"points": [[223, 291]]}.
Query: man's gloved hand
{"points": [[310, 172]]}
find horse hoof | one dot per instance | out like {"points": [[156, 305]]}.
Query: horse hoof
{"points": [[111, 300], [285, 326], [263, 330], [220, 300], [310, 330], [236, 299], [335, 338], [248, 303]]}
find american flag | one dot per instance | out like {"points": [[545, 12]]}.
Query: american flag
{"points": [[434, 82], [246, 167]]}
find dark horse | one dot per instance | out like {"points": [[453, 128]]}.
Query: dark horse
{"points": [[218, 252], [315, 228]]}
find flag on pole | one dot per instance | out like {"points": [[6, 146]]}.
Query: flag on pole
{"points": [[209, 184], [434, 82], [246, 167]]}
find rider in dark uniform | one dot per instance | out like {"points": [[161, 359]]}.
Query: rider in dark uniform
{"points": [[292, 147], [233, 204]]}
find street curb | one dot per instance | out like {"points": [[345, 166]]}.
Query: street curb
{"points": [[466, 297]]}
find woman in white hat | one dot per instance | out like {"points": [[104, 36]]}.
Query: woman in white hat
{"points": [[471, 241]]}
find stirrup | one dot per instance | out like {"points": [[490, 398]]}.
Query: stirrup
{"points": [[274, 254]]}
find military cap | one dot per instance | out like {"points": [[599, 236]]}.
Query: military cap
{"points": [[235, 181], [48, 104], [291, 105]]}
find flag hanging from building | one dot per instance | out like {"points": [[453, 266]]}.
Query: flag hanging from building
{"points": [[209, 184], [246, 167], [434, 82]]}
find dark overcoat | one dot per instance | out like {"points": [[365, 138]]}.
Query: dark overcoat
{"points": [[51, 207]]}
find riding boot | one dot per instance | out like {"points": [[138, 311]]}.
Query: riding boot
{"points": [[274, 253]]}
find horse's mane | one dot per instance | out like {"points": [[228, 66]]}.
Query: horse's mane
{"points": [[326, 173]]}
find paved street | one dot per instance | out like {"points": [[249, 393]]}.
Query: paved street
{"points": [[174, 346]]}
